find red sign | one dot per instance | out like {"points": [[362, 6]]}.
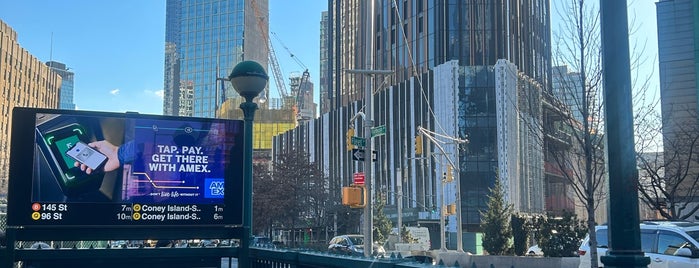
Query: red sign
{"points": [[359, 178]]}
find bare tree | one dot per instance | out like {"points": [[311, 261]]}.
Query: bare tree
{"points": [[578, 46], [293, 193], [669, 179], [267, 202]]}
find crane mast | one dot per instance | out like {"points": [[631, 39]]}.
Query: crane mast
{"points": [[296, 99], [278, 78]]}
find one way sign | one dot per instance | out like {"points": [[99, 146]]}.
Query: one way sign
{"points": [[358, 155]]}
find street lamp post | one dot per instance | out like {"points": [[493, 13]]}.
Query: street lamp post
{"points": [[249, 79], [624, 231]]}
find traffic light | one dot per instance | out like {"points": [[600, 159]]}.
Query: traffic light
{"points": [[354, 196], [451, 209], [350, 134], [450, 174], [418, 145]]}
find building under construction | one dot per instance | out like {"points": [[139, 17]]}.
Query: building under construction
{"points": [[268, 122]]}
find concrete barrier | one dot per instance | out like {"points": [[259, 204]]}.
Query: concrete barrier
{"points": [[465, 260]]}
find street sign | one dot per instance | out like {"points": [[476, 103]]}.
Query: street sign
{"points": [[358, 155], [357, 141], [359, 178], [378, 131]]}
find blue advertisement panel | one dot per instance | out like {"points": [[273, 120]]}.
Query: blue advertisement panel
{"points": [[93, 168]]}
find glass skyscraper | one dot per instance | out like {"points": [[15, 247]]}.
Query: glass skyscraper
{"points": [[66, 94], [204, 40]]}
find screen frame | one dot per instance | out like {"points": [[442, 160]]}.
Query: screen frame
{"points": [[22, 155]]}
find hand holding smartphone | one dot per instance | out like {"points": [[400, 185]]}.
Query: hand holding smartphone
{"points": [[87, 155]]}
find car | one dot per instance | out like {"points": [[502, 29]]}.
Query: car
{"points": [[261, 242], [208, 243], [667, 243], [225, 243], [40, 245], [353, 245], [118, 243], [535, 250]]}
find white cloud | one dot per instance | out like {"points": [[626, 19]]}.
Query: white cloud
{"points": [[158, 93], [114, 91]]}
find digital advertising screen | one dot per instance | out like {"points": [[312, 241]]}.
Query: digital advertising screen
{"points": [[95, 168]]}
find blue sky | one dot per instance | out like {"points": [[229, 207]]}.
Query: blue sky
{"points": [[116, 48]]}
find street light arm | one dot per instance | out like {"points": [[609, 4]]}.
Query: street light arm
{"points": [[420, 205], [436, 142], [435, 134], [355, 118]]}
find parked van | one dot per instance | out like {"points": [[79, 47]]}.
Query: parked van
{"points": [[668, 244]]}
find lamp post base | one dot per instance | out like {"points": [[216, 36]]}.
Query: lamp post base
{"points": [[626, 261]]}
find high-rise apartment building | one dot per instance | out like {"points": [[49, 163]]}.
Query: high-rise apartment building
{"points": [[677, 33], [26, 82], [567, 87], [413, 36], [468, 69], [204, 40], [417, 35], [323, 87], [344, 35], [679, 92], [67, 84]]}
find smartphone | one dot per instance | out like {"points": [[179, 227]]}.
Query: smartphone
{"points": [[87, 155]]}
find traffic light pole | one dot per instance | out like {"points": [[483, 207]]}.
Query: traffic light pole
{"points": [[431, 136], [442, 210], [367, 228], [368, 124]]}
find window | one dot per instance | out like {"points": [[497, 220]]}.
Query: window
{"points": [[648, 240], [602, 238], [669, 243]]}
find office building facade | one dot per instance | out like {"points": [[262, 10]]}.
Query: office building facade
{"points": [[26, 82], [67, 84], [204, 40]]}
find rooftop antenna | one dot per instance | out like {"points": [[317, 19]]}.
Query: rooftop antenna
{"points": [[51, 50]]}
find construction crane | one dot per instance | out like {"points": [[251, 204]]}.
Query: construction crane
{"points": [[296, 99], [277, 73], [301, 91]]}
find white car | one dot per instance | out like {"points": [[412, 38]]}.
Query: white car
{"points": [[668, 244], [535, 250]]}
